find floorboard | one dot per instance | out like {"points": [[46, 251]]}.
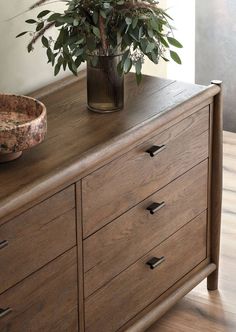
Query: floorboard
{"points": [[200, 310]]}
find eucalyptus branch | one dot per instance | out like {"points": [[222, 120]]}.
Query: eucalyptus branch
{"points": [[103, 34], [38, 35], [133, 28]]}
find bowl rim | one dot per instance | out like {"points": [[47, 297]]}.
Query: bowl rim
{"points": [[34, 121]]}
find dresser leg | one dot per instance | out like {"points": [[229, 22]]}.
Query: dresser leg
{"points": [[212, 281], [216, 187]]}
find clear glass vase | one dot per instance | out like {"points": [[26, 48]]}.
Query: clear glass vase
{"points": [[105, 87]]}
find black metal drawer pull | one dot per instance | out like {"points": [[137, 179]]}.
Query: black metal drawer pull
{"points": [[3, 244], [154, 207], [155, 262], [155, 149], [4, 312]]}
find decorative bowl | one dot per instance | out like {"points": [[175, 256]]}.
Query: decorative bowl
{"points": [[23, 124]]}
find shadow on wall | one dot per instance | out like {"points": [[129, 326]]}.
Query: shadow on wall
{"points": [[216, 50]]}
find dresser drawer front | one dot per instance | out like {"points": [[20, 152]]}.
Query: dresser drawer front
{"points": [[131, 291], [36, 237], [118, 245], [116, 187], [46, 301]]}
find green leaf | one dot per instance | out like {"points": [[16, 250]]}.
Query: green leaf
{"points": [[106, 5], [30, 48], [103, 14], [128, 20], [40, 26], [91, 43], [79, 51], [43, 13], [45, 41], [65, 19], [75, 22], [127, 65], [94, 61], [150, 47], [57, 68], [140, 33], [72, 67], [54, 17], [134, 22], [150, 33], [49, 54], [96, 32], [21, 34], [164, 42], [174, 42], [30, 21], [95, 17], [175, 57], [120, 68], [165, 59], [138, 67], [78, 62]]}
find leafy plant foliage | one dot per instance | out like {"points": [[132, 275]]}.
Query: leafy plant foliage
{"points": [[91, 28]]}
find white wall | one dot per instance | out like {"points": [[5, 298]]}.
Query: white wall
{"points": [[21, 72], [149, 68], [183, 13]]}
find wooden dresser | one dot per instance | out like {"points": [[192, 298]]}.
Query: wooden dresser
{"points": [[114, 218]]}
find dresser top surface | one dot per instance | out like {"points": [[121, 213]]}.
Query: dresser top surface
{"points": [[74, 133]]}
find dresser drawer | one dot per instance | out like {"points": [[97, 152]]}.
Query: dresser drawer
{"points": [[139, 285], [46, 301], [36, 237], [116, 187], [116, 246]]}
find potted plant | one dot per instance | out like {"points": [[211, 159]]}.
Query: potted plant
{"points": [[112, 36]]}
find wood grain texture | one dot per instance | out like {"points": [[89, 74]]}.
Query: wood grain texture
{"points": [[78, 140], [46, 301], [215, 204], [33, 243], [176, 294], [36, 237], [113, 189], [138, 286], [125, 240], [214, 311], [80, 256], [48, 209]]}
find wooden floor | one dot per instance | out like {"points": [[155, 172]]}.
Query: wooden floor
{"points": [[203, 311]]}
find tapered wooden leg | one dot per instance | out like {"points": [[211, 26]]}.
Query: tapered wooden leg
{"points": [[216, 187]]}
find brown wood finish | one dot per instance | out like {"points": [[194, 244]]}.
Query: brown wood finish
{"points": [[216, 186], [215, 311], [46, 301], [158, 311], [138, 286], [37, 236], [124, 241], [136, 175], [44, 281], [79, 141], [48, 209], [32, 243], [80, 256]]}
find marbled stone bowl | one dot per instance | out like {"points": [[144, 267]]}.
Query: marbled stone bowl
{"points": [[23, 124]]}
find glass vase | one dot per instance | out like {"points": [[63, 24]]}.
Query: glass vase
{"points": [[105, 87]]}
